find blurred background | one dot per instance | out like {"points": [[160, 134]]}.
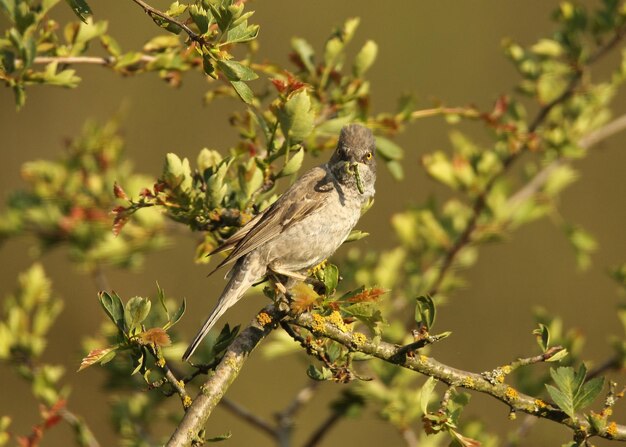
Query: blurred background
{"points": [[445, 50]]}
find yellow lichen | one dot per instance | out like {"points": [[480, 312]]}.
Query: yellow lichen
{"points": [[611, 430], [160, 362], [506, 369], [187, 401], [540, 404], [511, 393], [359, 338], [318, 323], [468, 382], [263, 319], [336, 319], [500, 378], [423, 358]]}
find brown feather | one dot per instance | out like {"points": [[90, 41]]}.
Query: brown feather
{"points": [[276, 218]]}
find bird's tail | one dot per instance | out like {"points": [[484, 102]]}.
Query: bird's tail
{"points": [[240, 280]]}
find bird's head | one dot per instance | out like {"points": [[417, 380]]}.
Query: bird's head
{"points": [[354, 162]]}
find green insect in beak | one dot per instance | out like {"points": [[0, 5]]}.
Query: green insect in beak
{"points": [[354, 170]]}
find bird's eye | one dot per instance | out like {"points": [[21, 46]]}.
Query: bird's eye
{"points": [[368, 156]]}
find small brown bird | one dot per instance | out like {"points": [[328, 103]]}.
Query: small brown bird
{"points": [[304, 226]]}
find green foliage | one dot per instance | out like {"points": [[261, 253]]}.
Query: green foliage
{"points": [[572, 393], [133, 334], [68, 202], [293, 114]]}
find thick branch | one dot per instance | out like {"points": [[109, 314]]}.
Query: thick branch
{"points": [[449, 375], [212, 391]]}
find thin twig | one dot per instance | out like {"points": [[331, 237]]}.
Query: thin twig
{"points": [[540, 179], [481, 201], [86, 436], [94, 60], [323, 429], [409, 436], [285, 419], [155, 12], [243, 413], [466, 112]]}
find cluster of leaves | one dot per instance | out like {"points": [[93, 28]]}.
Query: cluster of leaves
{"points": [[25, 320], [301, 112], [69, 201], [138, 336], [305, 113], [34, 39]]}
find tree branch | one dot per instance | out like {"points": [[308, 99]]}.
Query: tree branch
{"points": [[454, 377], [285, 419], [153, 12], [481, 201], [590, 140], [93, 60], [212, 391], [248, 416]]}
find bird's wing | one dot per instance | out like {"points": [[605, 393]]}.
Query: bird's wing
{"points": [[300, 200], [232, 241]]}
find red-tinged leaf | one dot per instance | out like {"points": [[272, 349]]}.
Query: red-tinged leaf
{"points": [[119, 192], [146, 193], [52, 421], [367, 295], [94, 356], [279, 84], [500, 107]]}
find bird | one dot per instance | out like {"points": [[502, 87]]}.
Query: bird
{"points": [[303, 227]]}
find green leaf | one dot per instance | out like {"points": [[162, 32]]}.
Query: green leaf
{"points": [[161, 295], [562, 400], [558, 356], [178, 314], [388, 149], [200, 17], [243, 91], [588, 393], [242, 33], [547, 47], [365, 58], [236, 71], [543, 336], [427, 392], [319, 375], [137, 309], [331, 278], [305, 52], [425, 311], [114, 308], [293, 165], [80, 8], [440, 168], [296, 117], [395, 169]]}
